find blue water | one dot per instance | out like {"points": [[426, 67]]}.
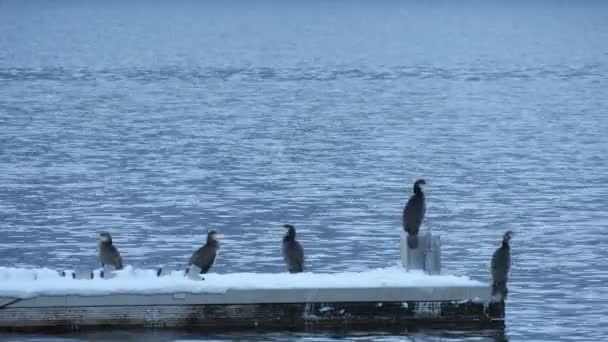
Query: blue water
{"points": [[158, 122]]}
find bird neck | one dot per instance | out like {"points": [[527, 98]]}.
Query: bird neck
{"points": [[418, 190], [505, 243], [213, 242], [105, 243], [289, 237]]}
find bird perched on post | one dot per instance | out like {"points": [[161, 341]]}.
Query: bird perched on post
{"points": [[293, 254], [501, 265], [108, 253], [204, 257], [413, 214]]}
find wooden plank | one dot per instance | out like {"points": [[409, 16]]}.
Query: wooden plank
{"points": [[295, 316], [298, 309], [280, 309]]}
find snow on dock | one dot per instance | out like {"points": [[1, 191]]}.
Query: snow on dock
{"points": [[28, 283]]}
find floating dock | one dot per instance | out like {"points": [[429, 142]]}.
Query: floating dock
{"points": [[44, 301]]}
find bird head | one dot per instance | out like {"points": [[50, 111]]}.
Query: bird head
{"points": [[290, 231], [213, 236], [105, 237], [418, 185], [507, 236]]}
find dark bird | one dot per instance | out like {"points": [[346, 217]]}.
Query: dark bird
{"points": [[293, 254], [413, 214], [501, 265], [108, 253], [204, 257]]}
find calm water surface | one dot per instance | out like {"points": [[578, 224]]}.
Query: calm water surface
{"points": [[159, 121]]}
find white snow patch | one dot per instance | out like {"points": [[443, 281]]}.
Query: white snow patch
{"points": [[27, 283]]}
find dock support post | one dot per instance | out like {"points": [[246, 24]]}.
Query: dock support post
{"points": [[427, 257]]}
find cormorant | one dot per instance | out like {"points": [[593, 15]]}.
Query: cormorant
{"points": [[205, 256], [413, 214], [501, 265], [108, 253], [293, 254]]}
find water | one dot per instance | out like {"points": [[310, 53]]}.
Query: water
{"points": [[159, 121]]}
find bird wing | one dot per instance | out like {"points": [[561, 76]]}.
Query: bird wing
{"points": [[204, 258], [413, 214], [501, 264], [208, 262], [299, 256], [194, 256], [116, 258], [293, 254], [493, 264]]}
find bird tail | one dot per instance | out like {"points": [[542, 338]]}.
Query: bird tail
{"points": [[412, 241], [118, 263], [500, 291]]}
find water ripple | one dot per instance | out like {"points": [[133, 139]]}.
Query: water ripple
{"points": [[251, 74]]}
